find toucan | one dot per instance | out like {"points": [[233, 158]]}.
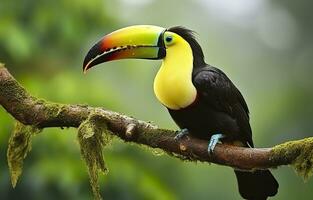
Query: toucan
{"points": [[200, 98]]}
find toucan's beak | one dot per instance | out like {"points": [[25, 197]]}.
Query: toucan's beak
{"points": [[141, 41]]}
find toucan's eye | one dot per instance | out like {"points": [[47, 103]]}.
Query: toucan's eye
{"points": [[169, 39]]}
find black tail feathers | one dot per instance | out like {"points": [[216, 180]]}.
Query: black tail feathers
{"points": [[257, 185]]}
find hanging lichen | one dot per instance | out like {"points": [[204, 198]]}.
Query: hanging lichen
{"points": [[93, 136], [19, 146], [300, 153]]}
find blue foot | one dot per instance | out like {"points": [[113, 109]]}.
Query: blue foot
{"points": [[213, 141], [182, 133]]}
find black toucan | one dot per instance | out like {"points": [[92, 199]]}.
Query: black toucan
{"points": [[201, 99]]}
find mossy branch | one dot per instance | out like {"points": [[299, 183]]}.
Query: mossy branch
{"points": [[94, 122]]}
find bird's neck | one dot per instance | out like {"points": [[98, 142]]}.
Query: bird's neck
{"points": [[173, 83]]}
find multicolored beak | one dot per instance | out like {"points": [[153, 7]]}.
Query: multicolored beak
{"points": [[141, 42]]}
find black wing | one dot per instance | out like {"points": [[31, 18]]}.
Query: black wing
{"points": [[217, 90]]}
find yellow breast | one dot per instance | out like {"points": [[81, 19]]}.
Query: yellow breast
{"points": [[173, 83]]}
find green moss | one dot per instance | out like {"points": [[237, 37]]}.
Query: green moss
{"points": [[84, 105], [150, 136], [1, 64], [12, 90], [93, 136], [19, 146], [52, 109], [153, 139], [299, 154]]}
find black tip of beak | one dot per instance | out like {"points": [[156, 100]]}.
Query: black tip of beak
{"points": [[90, 60]]}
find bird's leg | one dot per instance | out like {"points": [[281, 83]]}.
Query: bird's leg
{"points": [[182, 133], [213, 141]]}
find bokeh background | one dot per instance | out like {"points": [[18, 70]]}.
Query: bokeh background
{"points": [[264, 46]]}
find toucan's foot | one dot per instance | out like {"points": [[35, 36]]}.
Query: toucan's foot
{"points": [[213, 141], [180, 134]]}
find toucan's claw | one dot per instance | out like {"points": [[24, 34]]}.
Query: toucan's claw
{"points": [[213, 141], [180, 134]]}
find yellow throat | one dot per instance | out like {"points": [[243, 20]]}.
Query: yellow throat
{"points": [[173, 83]]}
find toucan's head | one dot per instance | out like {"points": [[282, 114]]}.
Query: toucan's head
{"points": [[141, 42]]}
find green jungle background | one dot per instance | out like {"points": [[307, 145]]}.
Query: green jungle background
{"points": [[264, 46]]}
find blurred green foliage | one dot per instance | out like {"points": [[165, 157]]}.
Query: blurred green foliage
{"points": [[265, 47]]}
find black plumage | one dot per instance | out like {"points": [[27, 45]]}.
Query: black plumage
{"points": [[221, 109]]}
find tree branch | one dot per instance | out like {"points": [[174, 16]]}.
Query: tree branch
{"points": [[30, 110]]}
